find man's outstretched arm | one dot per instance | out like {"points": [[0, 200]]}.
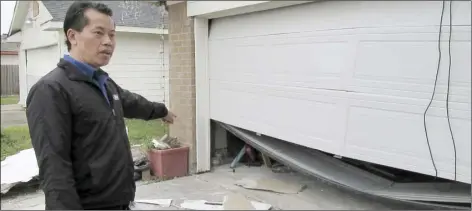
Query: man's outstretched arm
{"points": [[50, 125], [138, 107]]}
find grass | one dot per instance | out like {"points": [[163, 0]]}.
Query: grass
{"points": [[8, 100], [17, 138], [142, 132], [14, 139]]}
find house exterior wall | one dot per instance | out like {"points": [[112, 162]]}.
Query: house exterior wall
{"points": [[182, 77], [44, 15], [9, 60], [134, 65], [33, 37]]}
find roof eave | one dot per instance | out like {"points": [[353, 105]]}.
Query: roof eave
{"points": [[19, 17], [57, 26]]}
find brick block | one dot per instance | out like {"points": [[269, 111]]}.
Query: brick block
{"points": [[182, 77]]}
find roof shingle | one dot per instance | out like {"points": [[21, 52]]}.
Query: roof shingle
{"points": [[125, 13]]}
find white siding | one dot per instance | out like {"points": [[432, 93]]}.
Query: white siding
{"points": [[136, 64], [348, 77], [44, 15], [39, 62], [9, 60], [33, 37]]}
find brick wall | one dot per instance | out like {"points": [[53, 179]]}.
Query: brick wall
{"points": [[182, 77]]}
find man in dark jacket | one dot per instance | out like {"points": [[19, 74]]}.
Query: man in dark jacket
{"points": [[76, 119]]}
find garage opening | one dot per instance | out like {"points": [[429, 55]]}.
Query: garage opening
{"points": [[372, 179], [229, 149]]}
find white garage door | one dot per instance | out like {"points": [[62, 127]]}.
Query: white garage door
{"points": [[137, 65], [39, 62], [349, 78]]}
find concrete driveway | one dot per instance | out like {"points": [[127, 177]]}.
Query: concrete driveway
{"points": [[213, 186], [13, 115]]}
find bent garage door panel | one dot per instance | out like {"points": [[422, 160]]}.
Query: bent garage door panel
{"points": [[349, 78]]}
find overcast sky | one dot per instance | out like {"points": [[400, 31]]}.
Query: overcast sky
{"points": [[7, 14]]}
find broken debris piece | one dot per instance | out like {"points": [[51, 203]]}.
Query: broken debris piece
{"points": [[237, 202], [280, 168], [160, 202], [266, 160], [160, 145], [19, 168], [138, 154], [165, 142], [200, 205], [267, 184], [205, 205]]}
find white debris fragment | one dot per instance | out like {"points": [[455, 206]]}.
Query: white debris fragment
{"points": [[200, 205], [205, 205], [18, 168], [161, 144], [160, 202]]}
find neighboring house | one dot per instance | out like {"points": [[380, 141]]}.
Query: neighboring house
{"points": [[139, 63], [349, 78], [9, 51]]}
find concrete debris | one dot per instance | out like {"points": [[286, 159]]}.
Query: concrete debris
{"points": [[280, 168], [205, 205], [160, 145], [138, 154], [237, 202], [267, 184], [160, 202], [201, 205], [19, 168], [166, 142]]}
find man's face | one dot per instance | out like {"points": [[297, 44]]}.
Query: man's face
{"points": [[96, 43]]}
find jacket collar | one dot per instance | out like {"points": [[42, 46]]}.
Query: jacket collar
{"points": [[81, 66], [75, 74]]}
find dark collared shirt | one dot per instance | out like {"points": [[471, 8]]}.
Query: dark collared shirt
{"points": [[98, 76]]}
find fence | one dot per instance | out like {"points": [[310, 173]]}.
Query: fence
{"points": [[10, 80]]}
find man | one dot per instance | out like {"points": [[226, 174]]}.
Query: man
{"points": [[76, 119]]}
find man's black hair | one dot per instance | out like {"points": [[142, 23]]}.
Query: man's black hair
{"points": [[75, 16]]}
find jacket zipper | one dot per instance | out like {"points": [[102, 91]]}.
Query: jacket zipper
{"points": [[123, 133], [109, 104]]}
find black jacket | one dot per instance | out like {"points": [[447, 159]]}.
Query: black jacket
{"points": [[80, 139]]}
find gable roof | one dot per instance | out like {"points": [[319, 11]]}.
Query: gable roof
{"points": [[125, 13]]}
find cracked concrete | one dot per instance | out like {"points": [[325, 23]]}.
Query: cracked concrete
{"points": [[213, 186]]}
